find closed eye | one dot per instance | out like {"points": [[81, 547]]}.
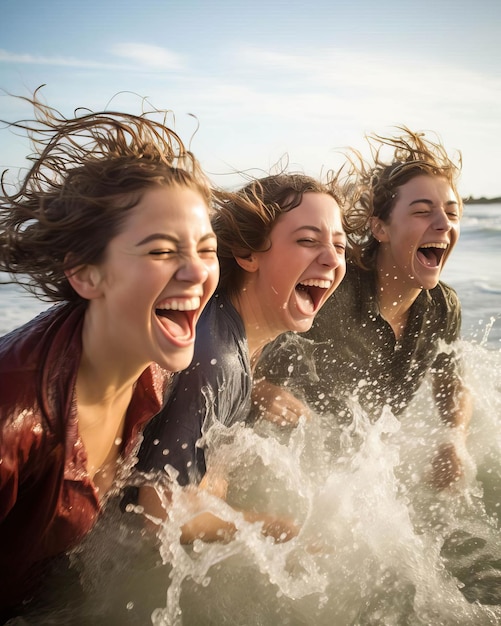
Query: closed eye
{"points": [[208, 252], [161, 252]]}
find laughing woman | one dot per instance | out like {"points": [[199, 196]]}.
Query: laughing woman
{"points": [[281, 247], [111, 222], [393, 320]]}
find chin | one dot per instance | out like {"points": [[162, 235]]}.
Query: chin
{"points": [[303, 326], [179, 362], [428, 284]]}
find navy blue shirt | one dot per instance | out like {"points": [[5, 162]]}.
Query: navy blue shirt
{"points": [[216, 385]]}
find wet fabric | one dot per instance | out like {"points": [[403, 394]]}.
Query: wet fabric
{"points": [[47, 500], [216, 386], [351, 352]]}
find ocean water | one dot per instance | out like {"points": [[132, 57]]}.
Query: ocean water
{"points": [[473, 270], [378, 546]]}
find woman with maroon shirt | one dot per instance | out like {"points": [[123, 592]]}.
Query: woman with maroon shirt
{"points": [[111, 222]]}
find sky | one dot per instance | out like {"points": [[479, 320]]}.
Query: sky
{"points": [[258, 85]]}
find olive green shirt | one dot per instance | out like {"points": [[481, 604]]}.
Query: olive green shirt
{"points": [[351, 352]]}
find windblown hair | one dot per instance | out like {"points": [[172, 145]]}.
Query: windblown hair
{"points": [[372, 188], [88, 172], [243, 220]]}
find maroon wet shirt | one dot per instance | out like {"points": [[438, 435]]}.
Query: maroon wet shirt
{"points": [[47, 500]]}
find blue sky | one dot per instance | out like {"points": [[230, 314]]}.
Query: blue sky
{"points": [[268, 79]]}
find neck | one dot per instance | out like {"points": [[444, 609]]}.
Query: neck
{"points": [[105, 373], [394, 299], [257, 330]]}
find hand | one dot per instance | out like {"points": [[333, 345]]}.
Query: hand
{"points": [[447, 468], [214, 483], [278, 405], [282, 529]]}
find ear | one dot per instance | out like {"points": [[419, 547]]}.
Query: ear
{"points": [[378, 228], [86, 281], [249, 263]]}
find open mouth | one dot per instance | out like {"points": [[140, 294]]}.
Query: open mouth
{"points": [[177, 317], [431, 254], [310, 293]]}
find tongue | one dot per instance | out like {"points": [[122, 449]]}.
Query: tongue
{"points": [[304, 301], [175, 322], [427, 257]]}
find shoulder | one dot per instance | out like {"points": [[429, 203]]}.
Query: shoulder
{"points": [[38, 362], [220, 336], [447, 295], [30, 339], [220, 311], [445, 307]]}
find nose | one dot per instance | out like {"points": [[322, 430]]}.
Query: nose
{"points": [[442, 221], [331, 256], [193, 270]]}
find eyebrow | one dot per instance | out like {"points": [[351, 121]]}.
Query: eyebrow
{"points": [[430, 202], [316, 229], [171, 238]]}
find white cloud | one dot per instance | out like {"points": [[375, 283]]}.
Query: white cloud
{"points": [[310, 104], [153, 57], [141, 57], [37, 59], [392, 76]]}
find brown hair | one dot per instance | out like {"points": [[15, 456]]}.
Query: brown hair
{"points": [[88, 172], [243, 220], [372, 188]]}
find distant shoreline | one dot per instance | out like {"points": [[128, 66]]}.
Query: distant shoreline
{"points": [[482, 200]]}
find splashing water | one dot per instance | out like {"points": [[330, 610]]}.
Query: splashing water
{"points": [[377, 544]]}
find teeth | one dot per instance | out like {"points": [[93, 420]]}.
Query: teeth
{"points": [[180, 305], [443, 246], [316, 282]]}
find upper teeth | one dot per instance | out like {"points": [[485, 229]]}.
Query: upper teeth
{"points": [[434, 245], [316, 282], [180, 305]]}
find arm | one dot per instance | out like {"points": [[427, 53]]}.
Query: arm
{"points": [[454, 405], [453, 402], [286, 362], [277, 405], [207, 526], [18, 442]]}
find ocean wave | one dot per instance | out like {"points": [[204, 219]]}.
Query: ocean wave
{"points": [[487, 223], [489, 288]]}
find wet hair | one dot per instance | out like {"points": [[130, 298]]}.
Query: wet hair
{"points": [[88, 171], [243, 220], [372, 188]]}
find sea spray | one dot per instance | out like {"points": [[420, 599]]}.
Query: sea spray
{"points": [[377, 545]]}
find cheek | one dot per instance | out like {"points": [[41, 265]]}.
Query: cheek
{"points": [[281, 284], [213, 270], [146, 286], [211, 282]]}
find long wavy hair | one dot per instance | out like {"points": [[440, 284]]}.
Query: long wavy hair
{"points": [[372, 186], [243, 220], [88, 171]]}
